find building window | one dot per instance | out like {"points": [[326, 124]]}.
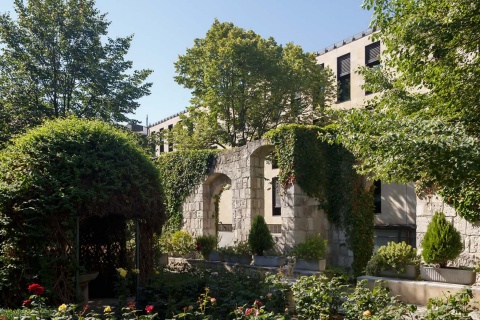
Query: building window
{"points": [[170, 144], [377, 196], [343, 77], [372, 57], [396, 233], [162, 143], [276, 203], [372, 54]]}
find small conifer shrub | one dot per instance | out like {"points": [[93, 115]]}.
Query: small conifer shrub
{"points": [[442, 242], [260, 239]]}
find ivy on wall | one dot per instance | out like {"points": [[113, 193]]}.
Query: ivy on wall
{"points": [[181, 172], [325, 171]]}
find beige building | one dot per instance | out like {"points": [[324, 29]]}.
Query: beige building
{"points": [[395, 204]]}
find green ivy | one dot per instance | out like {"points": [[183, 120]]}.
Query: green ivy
{"points": [[59, 171], [181, 172], [326, 172]]}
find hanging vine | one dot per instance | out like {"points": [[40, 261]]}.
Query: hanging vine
{"points": [[326, 172], [181, 172]]}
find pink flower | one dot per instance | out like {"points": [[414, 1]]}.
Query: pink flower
{"points": [[36, 289], [149, 309], [213, 300], [257, 312], [248, 311], [27, 303]]}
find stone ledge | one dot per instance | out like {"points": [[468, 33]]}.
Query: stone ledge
{"points": [[418, 292]]}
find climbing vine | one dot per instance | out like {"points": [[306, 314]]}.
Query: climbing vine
{"points": [[181, 172], [325, 171]]}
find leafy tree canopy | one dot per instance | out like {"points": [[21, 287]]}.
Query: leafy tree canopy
{"points": [[244, 85], [423, 124], [56, 61]]}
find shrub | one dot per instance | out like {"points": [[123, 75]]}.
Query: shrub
{"points": [[206, 244], [442, 242], [456, 306], [393, 256], [318, 298], [260, 239], [312, 249], [182, 242], [377, 303]]}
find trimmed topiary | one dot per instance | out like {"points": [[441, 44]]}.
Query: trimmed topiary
{"points": [[442, 242], [68, 175], [260, 239]]}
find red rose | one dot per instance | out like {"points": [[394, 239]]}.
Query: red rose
{"points": [[36, 289], [149, 309], [27, 303], [257, 303], [248, 311]]}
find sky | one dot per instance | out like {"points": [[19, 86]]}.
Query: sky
{"points": [[164, 29]]}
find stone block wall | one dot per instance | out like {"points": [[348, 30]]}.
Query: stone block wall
{"points": [[426, 208]]}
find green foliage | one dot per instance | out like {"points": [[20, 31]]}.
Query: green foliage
{"points": [[244, 85], [313, 248], [376, 303], [442, 242], [318, 297], [423, 125], [206, 244], [62, 170], [182, 242], [325, 171], [181, 172], [456, 306], [394, 256], [56, 60], [260, 239]]}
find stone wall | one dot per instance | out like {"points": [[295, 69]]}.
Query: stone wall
{"points": [[243, 169], [426, 208]]}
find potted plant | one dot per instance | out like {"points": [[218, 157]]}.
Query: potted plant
{"points": [[241, 253], [310, 254], [443, 243], [260, 240], [179, 243], [205, 245], [398, 260]]}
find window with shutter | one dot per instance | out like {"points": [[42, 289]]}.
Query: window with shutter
{"points": [[372, 54], [343, 77], [372, 57]]}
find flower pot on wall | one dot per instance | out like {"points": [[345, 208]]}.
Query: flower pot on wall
{"points": [[312, 265], [240, 259], [269, 261], [448, 275], [214, 256], [410, 273]]}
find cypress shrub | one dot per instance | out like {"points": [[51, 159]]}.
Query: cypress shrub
{"points": [[260, 239], [442, 241]]}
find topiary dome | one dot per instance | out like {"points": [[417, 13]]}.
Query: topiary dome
{"points": [[55, 173]]}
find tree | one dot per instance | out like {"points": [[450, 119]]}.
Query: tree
{"points": [[442, 242], [55, 62], [423, 125], [249, 84]]}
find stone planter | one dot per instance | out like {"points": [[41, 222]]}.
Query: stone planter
{"points": [[214, 256], [448, 275], [269, 261], [312, 265], [410, 273], [240, 259], [163, 260]]}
